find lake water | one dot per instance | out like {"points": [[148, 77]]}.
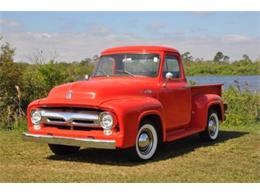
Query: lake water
{"points": [[250, 82]]}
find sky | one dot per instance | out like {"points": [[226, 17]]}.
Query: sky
{"points": [[74, 36]]}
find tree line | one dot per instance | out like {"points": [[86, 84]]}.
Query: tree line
{"points": [[220, 65], [218, 58], [21, 83]]}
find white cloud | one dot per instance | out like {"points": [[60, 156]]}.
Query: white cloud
{"points": [[9, 23], [203, 13], [97, 30], [45, 35], [156, 25], [77, 46], [40, 35], [234, 38]]}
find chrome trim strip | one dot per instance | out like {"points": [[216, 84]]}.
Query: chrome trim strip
{"points": [[90, 143]]}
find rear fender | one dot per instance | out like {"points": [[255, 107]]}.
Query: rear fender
{"points": [[129, 112], [200, 106]]}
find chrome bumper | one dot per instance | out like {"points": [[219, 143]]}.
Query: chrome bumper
{"points": [[90, 143]]}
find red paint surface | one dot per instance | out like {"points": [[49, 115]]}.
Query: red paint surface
{"points": [[182, 109]]}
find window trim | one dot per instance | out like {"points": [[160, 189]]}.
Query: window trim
{"points": [[179, 64], [132, 53]]}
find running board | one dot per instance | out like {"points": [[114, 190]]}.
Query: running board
{"points": [[180, 133]]}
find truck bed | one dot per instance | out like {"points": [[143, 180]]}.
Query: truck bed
{"points": [[207, 89]]}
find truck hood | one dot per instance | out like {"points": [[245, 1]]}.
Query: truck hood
{"points": [[95, 91]]}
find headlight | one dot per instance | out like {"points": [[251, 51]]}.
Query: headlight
{"points": [[106, 120], [36, 117]]}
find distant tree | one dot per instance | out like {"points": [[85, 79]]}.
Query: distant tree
{"points": [[86, 61], [10, 94], [6, 55], [41, 57], [258, 59], [187, 56], [199, 59], [218, 57], [226, 59], [246, 58]]}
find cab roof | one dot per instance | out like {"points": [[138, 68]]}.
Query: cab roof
{"points": [[138, 48]]}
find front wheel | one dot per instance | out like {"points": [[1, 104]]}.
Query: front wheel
{"points": [[62, 149], [146, 141], [212, 131]]}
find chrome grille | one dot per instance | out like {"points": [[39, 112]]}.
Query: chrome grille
{"points": [[71, 118]]}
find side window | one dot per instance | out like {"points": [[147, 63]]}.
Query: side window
{"points": [[105, 66], [172, 65]]}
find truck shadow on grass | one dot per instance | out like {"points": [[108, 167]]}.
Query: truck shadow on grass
{"points": [[167, 151]]}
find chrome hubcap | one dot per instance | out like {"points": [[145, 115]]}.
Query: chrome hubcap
{"points": [[145, 141], [212, 126]]}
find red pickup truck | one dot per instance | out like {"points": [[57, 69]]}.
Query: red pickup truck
{"points": [[137, 98]]}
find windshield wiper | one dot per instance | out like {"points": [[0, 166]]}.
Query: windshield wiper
{"points": [[103, 73], [125, 71]]}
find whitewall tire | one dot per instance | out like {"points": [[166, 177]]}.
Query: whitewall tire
{"points": [[146, 141], [212, 131]]}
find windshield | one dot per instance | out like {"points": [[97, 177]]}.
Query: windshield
{"points": [[128, 65]]}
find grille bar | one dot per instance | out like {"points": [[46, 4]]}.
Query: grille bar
{"points": [[70, 118]]}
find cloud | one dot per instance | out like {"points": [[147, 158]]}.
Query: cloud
{"points": [[9, 23], [77, 46], [97, 30], [198, 30], [156, 25], [235, 38], [203, 13], [156, 28], [40, 35]]}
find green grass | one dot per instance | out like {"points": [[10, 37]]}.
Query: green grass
{"points": [[235, 157]]}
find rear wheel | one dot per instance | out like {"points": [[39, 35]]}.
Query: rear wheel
{"points": [[212, 131], [62, 149]]}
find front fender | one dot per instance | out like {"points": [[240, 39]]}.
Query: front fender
{"points": [[129, 112]]}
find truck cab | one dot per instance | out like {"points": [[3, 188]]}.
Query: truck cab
{"points": [[137, 97]]}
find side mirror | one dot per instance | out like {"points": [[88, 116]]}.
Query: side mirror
{"points": [[86, 77], [169, 76]]}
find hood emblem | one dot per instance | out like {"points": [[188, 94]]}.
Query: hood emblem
{"points": [[69, 95], [147, 91]]}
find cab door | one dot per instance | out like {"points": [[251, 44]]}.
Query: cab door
{"points": [[175, 93]]}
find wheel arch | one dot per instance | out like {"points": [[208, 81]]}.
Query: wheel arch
{"points": [[218, 107], [155, 117], [130, 111], [201, 106]]}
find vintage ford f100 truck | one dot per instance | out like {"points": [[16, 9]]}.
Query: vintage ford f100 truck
{"points": [[137, 97]]}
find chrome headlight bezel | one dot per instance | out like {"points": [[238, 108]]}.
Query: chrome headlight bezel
{"points": [[107, 120], [36, 117]]}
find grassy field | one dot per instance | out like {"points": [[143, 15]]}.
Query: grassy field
{"points": [[235, 157]]}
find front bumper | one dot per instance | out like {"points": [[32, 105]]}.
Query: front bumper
{"points": [[90, 143]]}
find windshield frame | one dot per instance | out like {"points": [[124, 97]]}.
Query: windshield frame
{"points": [[159, 55]]}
